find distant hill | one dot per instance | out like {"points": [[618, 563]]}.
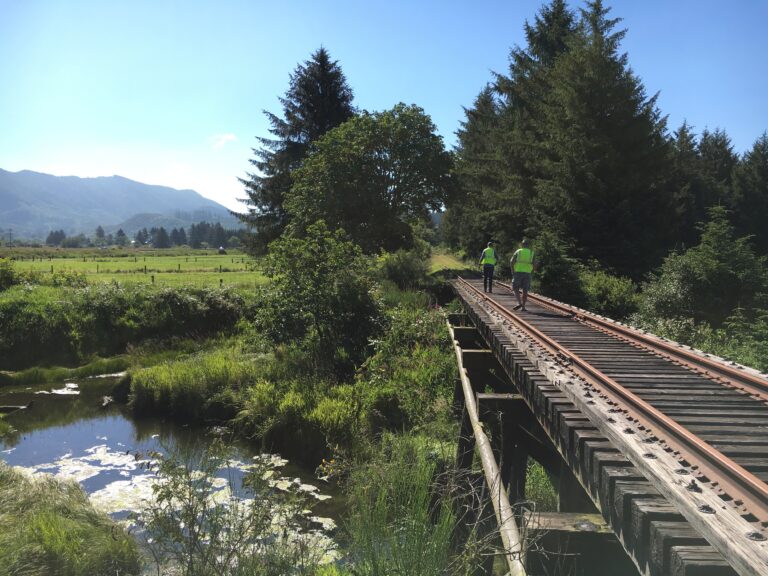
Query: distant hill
{"points": [[33, 204]]}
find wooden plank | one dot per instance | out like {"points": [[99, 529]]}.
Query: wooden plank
{"points": [[698, 561]]}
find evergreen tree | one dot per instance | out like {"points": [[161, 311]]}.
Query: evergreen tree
{"points": [[55, 237], [100, 233], [718, 159], [160, 239], [750, 194], [604, 181], [120, 238], [468, 220], [691, 193], [318, 99], [498, 156], [182, 236]]}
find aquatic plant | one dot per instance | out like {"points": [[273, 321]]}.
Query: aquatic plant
{"points": [[202, 525]]}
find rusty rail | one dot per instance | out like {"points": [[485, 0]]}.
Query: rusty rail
{"points": [[740, 484], [733, 376]]}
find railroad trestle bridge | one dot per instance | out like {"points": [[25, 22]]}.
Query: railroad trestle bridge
{"points": [[657, 450]]}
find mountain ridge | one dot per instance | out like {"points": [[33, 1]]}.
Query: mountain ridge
{"points": [[34, 203]]}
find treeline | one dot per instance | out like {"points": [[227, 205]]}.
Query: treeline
{"points": [[200, 235], [568, 148]]}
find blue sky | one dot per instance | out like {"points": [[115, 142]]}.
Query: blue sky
{"points": [[172, 92]]}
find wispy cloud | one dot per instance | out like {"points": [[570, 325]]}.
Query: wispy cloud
{"points": [[219, 140]]}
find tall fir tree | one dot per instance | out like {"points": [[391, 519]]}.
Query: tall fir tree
{"points": [[498, 150], [605, 174], [318, 99], [750, 194]]}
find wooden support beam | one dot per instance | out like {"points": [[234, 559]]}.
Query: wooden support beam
{"points": [[458, 319], [468, 338], [571, 494], [508, 532], [567, 522]]}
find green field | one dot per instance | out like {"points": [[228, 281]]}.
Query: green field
{"points": [[144, 267]]}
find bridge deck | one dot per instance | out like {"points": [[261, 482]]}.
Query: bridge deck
{"points": [[634, 474]]}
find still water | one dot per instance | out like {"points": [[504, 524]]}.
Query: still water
{"points": [[73, 431]]}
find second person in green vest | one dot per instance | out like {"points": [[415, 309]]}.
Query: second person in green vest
{"points": [[522, 263]]}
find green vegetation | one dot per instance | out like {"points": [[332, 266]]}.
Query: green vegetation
{"points": [[66, 325], [408, 523], [49, 527], [163, 268], [195, 528], [373, 177]]}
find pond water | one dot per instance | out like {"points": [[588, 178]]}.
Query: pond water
{"points": [[72, 431]]}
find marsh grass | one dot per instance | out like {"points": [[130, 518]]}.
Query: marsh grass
{"points": [[407, 514], [40, 375], [204, 385], [49, 527]]}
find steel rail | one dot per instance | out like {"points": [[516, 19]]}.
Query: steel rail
{"points": [[723, 373], [740, 484]]}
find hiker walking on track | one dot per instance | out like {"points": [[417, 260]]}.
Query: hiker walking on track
{"points": [[488, 262], [522, 267]]}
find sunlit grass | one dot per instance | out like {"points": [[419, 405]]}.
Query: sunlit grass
{"points": [[445, 261], [192, 268], [49, 527]]}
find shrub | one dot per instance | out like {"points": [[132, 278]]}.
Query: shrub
{"points": [[320, 295], [557, 273], [612, 296], [407, 268]]}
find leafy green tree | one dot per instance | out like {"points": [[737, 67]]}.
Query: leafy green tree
{"points": [[750, 194], [373, 176], [604, 180], [320, 296], [709, 281], [318, 99]]}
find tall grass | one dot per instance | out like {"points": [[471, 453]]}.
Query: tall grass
{"points": [[405, 516], [203, 385], [49, 527]]}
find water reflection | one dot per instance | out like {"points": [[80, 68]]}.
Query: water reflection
{"points": [[105, 448]]}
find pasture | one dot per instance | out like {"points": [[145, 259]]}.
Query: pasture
{"points": [[196, 268]]}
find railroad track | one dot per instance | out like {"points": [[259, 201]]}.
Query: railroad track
{"points": [[710, 415]]}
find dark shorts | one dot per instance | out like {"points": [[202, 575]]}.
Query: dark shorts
{"points": [[521, 280]]}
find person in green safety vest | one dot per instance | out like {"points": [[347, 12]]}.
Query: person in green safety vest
{"points": [[488, 262], [522, 264]]}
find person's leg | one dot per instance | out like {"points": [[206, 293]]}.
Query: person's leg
{"points": [[485, 277], [526, 286], [490, 278], [516, 289]]}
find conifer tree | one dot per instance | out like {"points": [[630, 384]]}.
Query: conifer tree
{"points": [[750, 194], [318, 99], [604, 181]]}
